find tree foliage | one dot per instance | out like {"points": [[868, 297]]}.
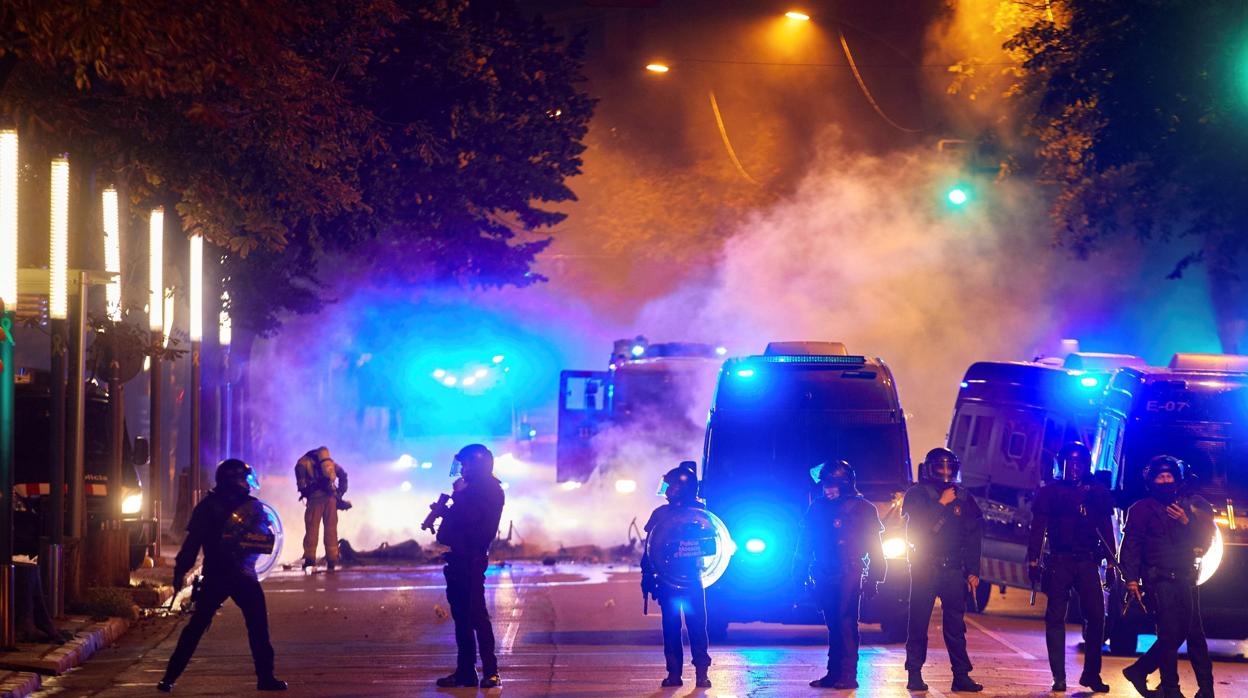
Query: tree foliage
{"points": [[419, 137], [1140, 117]]}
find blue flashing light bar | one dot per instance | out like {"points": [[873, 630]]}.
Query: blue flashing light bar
{"points": [[1089, 381], [964, 385], [811, 359], [638, 350], [745, 373]]}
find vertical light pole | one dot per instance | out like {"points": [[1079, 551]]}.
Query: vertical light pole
{"points": [[156, 307], [116, 409], [8, 300], [197, 337], [58, 309], [225, 335]]}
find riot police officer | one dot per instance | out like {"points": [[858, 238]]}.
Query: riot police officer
{"points": [[228, 573], [1075, 512], [1165, 534], [674, 579], [469, 527], [944, 527], [840, 529]]}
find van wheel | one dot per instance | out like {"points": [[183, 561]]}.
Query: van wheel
{"points": [[717, 629]]}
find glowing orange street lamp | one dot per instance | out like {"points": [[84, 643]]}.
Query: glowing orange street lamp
{"points": [[657, 67], [797, 16]]}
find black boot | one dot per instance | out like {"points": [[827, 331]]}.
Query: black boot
{"points": [[271, 683], [165, 686], [1094, 684], [491, 681], [827, 681], [1059, 685], [457, 681], [915, 682], [1139, 681], [703, 680], [964, 683], [671, 681], [331, 566]]}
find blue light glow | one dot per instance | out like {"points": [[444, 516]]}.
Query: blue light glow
{"points": [[1089, 381], [964, 385], [755, 545], [638, 350], [958, 196], [721, 351], [745, 373]]}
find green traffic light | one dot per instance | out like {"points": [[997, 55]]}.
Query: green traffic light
{"points": [[958, 196]]}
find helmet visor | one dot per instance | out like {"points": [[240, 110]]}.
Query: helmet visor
{"points": [[457, 467], [252, 481], [662, 491]]}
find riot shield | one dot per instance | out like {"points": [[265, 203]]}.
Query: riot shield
{"points": [[690, 547], [253, 537]]}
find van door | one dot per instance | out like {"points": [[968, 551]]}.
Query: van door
{"points": [[583, 412]]}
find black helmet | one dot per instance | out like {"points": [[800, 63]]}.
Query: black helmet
{"points": [[235, 476], [472, 462], [1074, 462], [941, 467], [839, 474], [680, 484], [1163, 464]]}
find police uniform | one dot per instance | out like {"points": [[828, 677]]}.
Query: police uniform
{"points": [[228, 574], [469, 527], [1077, 517], [689, 600], [838, 534], [1161, 552], [946, 540]]}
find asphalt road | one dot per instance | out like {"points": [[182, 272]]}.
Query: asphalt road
{"points": [[566, 631]]}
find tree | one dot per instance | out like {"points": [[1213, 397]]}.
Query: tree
{"points": [[1139, 113], [288, 131]]}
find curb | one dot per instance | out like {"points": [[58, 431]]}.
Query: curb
{"points": [[89, 638], [18, 684]]}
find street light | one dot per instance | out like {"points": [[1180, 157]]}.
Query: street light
{"points": [[197, 336], [58, 265], [156, 308], [8, 297], [797, 16], [657, 67], [58, 313], [112, 253], [156, 272], [225, 335]]}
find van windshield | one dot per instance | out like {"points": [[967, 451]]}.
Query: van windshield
{"points": [[782, 450]]}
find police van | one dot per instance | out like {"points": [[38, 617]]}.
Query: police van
{"points": [[774, 418], [1009, 421], [1195, 409], [32, 459]]}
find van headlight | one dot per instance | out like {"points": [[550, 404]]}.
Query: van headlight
{"points": [[1212, 559], [132, 503], [894, 548]]}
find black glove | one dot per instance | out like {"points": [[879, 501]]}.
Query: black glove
{"points": [[1035, 573], [343, 505], [650, 585]]}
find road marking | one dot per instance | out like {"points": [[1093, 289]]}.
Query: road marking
{"points": [[1023, 654], [508, 597]]}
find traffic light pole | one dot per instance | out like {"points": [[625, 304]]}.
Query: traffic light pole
{"points": [[8, 637]]}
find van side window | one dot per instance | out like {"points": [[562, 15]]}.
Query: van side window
{"points": [[983, 430], [960, 432]]}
